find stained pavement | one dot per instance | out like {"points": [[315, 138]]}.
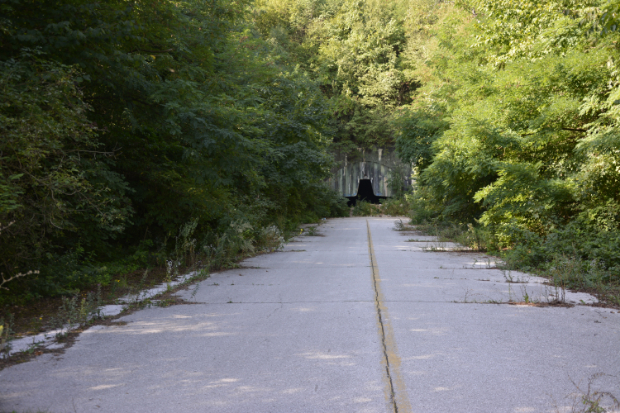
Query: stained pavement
{"points": [[336, 323]]}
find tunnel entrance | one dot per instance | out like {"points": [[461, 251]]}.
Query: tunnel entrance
{"points": [[365, 193]]}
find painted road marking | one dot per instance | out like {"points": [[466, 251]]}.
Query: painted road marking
{"points": [[395, 390]]}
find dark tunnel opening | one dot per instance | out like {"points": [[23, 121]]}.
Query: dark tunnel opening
{"points": [[365, 193]]}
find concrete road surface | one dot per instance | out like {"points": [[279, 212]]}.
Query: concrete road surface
{"points": [[361, 319]]}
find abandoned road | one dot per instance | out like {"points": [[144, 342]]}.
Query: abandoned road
{"points": [[362, 318]]}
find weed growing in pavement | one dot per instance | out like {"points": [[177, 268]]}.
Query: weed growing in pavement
{"points": [[401, 226], [140, 286], [172, 271], [76, 311], [557, 296], [515, 279], [33, 348], [526, 296], [223, 251], [312, 231], [592, 401], [467, 298], [270, 239], [194, 292], [486, 260], [444, 235], [436, 246], [556, 257]]}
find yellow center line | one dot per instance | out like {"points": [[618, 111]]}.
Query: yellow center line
{"points": [[395, 390]]}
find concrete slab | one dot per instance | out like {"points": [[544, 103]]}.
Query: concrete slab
{"points": [[322, 327], [500, 358], [296, 332], [333, 284], [460, 352], [215, 358]]}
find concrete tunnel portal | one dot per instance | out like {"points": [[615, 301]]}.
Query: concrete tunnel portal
{"points": [[369, 174], [365, 193]]}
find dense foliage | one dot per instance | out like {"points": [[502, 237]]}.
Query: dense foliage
{"points": [[121, 121], [355, 51], [124, 123], [517, 126]]}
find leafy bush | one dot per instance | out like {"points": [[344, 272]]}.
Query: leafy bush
{"points": [[365, 209], [423, 209], [395, 207], [516, 129]]}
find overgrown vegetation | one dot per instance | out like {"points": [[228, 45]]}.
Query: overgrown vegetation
{"points": [[121, 122], [124, 122], [515, 133], [391, 207], [356, 51]]}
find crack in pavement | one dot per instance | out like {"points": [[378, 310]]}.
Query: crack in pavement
{"points": [[396, 392]]}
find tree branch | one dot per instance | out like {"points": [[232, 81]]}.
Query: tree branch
{"points": [[4, 280], [575, 129]]}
